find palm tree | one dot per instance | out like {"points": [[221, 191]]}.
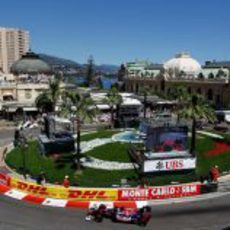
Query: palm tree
{"points": [[191, 106], [82, 106], [196, 108], [44, 103], [145, 92], [181, 95], [47, 100], [113, 99]]}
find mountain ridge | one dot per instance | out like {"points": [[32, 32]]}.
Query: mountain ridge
{"points": [[63, 63]]}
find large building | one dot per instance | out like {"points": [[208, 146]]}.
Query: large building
{"points": [[13, 44], [210, 80], [18, 91]]}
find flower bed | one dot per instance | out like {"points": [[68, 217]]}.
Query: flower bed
{"points": [[219, 148]]}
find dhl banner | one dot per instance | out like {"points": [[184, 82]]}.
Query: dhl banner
{"points": [[81, 194], [159, 192]]}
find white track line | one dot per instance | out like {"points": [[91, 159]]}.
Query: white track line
{"points": [[16, 194], [54, 202], [108, 204]]}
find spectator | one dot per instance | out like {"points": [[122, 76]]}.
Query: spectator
{"points": [[214, 173], [40, 178], [143, 184], [16, 137], [66, 182], [4, 152]]}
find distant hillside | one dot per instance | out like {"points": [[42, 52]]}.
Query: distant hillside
{"points": [[72, 66], [107, 68], [55, 61]]}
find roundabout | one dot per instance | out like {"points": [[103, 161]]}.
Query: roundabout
{"points": [[206, 206]]}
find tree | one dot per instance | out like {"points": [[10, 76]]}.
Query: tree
{"points": [[144, 92], [113, 99], [196, 108], [47, 100], [191, 106], [44, 103], [81, 106], [90, 71], [121, 72]]}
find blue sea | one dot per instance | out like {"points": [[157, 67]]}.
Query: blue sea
{"points": [[107, 82]]}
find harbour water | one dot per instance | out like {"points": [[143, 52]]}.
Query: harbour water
{"points": [[106, 82]]}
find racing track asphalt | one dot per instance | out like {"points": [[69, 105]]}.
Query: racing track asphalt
{"points": [[211, 214]]}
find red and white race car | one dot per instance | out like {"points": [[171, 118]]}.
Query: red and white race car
{"points": [[126, 215]]}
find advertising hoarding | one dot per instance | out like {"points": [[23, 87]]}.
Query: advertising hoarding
{"points": [[175, 164]]}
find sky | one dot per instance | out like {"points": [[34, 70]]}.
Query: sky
{"points": [[117, 31]]}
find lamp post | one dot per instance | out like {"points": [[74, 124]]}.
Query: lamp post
{"points": [[78, 150], [145, 102], [78, 143], [23, 147]]}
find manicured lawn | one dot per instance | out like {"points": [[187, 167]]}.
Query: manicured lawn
{"points": [[35, 163], [102, 178], [55, 170], [111, 152], [99, 134]]}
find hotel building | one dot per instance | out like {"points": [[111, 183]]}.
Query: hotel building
{"points": [[13, 44]]}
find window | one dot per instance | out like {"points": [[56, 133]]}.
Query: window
{"points": [[210, 94], [28, 94]]}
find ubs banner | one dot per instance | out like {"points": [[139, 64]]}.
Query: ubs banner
{"points": [[169, 165], [159, 192]]}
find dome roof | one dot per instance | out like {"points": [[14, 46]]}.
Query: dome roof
{"points": [[30, 63], [183, 62]]}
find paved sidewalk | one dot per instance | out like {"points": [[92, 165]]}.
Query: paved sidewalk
{"points": [[3, 168]]}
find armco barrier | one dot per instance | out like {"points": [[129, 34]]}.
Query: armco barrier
{"points": [[106, 194]]}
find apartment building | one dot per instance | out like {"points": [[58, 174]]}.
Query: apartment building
{"points": [[13, 44]]}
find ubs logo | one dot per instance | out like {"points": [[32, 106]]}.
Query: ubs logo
{"points": [[160, 165]]}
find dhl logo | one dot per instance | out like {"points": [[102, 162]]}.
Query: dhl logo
{"points": [[35, 189], [88, 194]]}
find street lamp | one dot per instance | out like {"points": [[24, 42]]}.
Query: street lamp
{"points": [[25, 147]]}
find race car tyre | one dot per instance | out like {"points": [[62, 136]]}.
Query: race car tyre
{"points": [[113, 218], [98, 218]]}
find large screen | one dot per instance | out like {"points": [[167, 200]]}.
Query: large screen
{"points": [[166, 139]]}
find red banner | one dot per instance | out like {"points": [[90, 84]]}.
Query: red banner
{"points": [[159, 192]]}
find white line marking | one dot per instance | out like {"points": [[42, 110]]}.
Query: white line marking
{"points": [[141, 204], [108, 204], [16, 194], [54, 202]]}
